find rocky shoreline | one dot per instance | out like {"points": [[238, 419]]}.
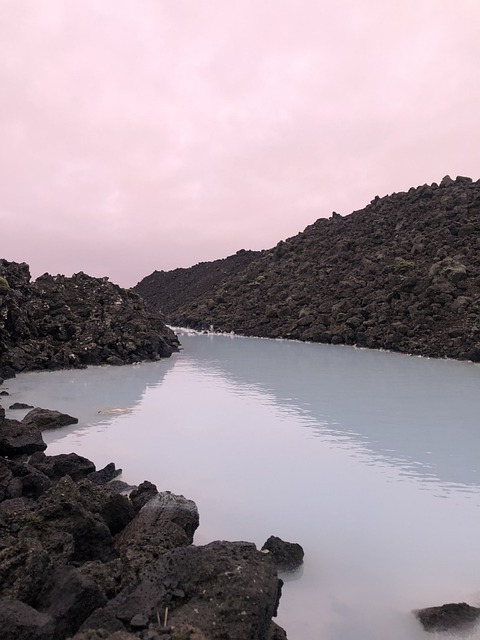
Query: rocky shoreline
{"points": [[79, 558]]}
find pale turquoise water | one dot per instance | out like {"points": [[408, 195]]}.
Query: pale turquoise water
{"points": [[368, 459]]}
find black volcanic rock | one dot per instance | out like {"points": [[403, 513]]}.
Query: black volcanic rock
{"points": [[76, 555], [448, 616], [45, 419], [182, 287], [17, 438], [58, 322], [401, 274], [287, 556]]}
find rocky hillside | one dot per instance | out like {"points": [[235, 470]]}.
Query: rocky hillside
{"points": [[402, 274], [181, 287], [57, 322]]}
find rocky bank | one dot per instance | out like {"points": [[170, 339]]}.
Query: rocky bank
{"points": [[57, 322], [401, 274], [80, 559]]}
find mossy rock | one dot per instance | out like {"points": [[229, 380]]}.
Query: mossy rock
{"points": [[4, 283]]}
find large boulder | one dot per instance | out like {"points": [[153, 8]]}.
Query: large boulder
{"points": [[17, 438], [229, 589], [165, 522]]}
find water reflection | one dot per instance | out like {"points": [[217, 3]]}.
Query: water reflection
{"points": [[96, 396], [416, 413]]}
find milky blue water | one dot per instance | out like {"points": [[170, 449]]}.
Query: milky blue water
{"points": [[370, 460]]}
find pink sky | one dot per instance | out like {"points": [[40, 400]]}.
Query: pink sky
{"points": [[153, 134]]}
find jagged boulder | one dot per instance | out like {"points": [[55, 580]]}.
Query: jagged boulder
{"points": [[165, 522], [142, 494], [102, 476], [229, 589]]}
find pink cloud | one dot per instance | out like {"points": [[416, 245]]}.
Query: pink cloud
{"points": [[153, 134]]}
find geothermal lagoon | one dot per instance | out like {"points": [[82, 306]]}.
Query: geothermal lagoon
{"points": [[369, 460]]}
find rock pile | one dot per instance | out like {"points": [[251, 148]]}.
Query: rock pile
{"points": [[58, 322], [401, 274], [79, 559]]}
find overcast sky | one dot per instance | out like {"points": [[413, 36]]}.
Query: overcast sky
{"points": [[152, 134]]}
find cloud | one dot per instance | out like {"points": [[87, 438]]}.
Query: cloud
{"points": [[153, 134]]}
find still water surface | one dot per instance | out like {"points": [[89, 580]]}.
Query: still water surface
{"points": [[370, 460]]}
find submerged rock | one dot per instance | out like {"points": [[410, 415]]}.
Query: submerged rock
{"points": [[48, 419], [448, 616]]}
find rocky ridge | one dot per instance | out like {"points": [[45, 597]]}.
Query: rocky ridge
{"points": [[58, 322], [401, 274]]}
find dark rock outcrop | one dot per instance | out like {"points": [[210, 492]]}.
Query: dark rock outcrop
{"points": [[229, 589], [401, 274], [75, 553], [448, 616], [287, 556], [57, 322]]}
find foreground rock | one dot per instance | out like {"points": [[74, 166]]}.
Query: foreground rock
{"points": [[58, 322], [448, 617], [77, 557], [401, 274], [227, 588]]}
